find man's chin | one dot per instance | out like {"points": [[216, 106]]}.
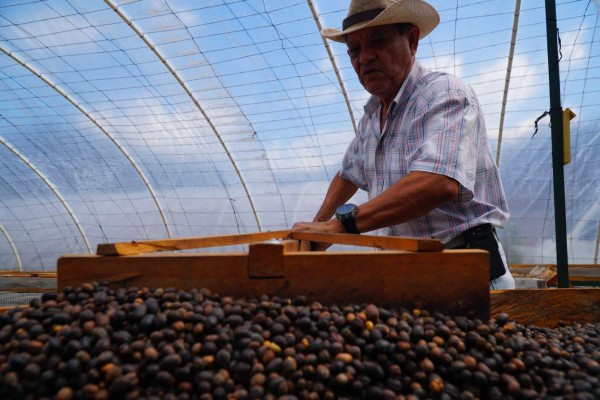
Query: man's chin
{"points": [[374, 87]]}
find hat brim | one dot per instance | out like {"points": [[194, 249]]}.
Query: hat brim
{"points": [[416, 12]]}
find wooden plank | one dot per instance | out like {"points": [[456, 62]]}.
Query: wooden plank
{"points": [[577, 269], [17, 289], [451, 281], [545, 272], [579, 274], [381, 242], [530, 283], [547, 307], [265, 260], [151, 246], [29, 274], [578, 281], [305, 245], [155, 270], [291, 245], [27, 282]]}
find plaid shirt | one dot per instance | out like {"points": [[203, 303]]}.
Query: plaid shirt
{"points": [[433, 125]]}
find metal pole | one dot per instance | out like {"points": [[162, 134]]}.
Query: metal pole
{"points": [[333, 63], [597, 245], [511, 56], [560, 219], [189, 92], [13, 246], [70, 99], [53, 189]]}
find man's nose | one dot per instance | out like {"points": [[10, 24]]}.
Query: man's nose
{"points": [[366, 55]]}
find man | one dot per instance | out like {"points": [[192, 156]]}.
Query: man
{"points": [[421, 148]]}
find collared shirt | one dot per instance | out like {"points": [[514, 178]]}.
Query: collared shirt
{"points": [[434, 125]]}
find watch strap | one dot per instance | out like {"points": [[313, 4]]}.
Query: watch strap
{"points": [[348, 219]]}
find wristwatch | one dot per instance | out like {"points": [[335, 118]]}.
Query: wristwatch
{"points": [[347, 214]]}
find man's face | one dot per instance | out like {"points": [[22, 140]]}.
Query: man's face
{"points": [[382, 58]]}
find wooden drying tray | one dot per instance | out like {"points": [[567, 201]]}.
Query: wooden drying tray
{"points": [[548, 307], [412, 273], [409, 272]]}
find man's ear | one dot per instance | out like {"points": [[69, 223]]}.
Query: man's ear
{"points": [[413, 38]]}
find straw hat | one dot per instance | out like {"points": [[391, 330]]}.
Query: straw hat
{"points": [[367, 13]]}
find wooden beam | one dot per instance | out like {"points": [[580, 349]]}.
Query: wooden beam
{"points": [[547, 307], [29, 274], [151, 246], [579, 274], [34, 282], [265, 260], [451, 281], [381, 242]]}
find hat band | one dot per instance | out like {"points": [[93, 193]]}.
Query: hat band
{"points": [[360, 17]]}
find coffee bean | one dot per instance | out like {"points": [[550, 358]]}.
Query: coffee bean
{"points": [[97, 342]]}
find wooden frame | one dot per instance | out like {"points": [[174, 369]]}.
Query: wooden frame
{"points": [[548, 307], [420, 275], [28, 282], [579, 274], [452, 281], [381, 242]]}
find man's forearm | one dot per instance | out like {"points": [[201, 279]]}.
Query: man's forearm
{"points": [[409, 198], [340, 190]]}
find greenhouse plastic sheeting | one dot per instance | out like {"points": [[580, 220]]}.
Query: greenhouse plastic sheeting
{"points": [[131, 120]]}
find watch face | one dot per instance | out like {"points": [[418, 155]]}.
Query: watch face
{"points": [[346, 209]]}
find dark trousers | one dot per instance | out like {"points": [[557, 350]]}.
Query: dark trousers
{"points": [[482, 237]]}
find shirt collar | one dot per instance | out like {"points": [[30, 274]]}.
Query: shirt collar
{"points": [[374, 104]]}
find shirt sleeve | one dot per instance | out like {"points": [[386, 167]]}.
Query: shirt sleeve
{"points": [[449, 126], [353, 167]]}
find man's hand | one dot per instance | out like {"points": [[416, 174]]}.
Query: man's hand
{"points": [[331, 226]]}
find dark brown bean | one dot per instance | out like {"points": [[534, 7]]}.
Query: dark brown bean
{"points": [[98, 342]]}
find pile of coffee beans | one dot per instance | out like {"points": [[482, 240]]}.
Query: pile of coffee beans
{"points": [[94, 342]]}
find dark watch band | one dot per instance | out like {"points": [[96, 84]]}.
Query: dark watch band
{"points": [[347, 216]]}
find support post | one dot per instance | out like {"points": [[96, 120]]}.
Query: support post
{"points": [[556, 117]]}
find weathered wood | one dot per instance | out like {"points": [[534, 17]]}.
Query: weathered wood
{"points": [[265, 260], [34, 282], [574, 269], [151, 246], [547, 307], [381, 242], [29, 274], [304, 245], [451, 281], [579, 274]]}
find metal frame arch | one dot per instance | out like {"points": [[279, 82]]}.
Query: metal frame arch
{"points": [[104, 131], [52, 188], [13, 246], [194, 100], [511, 54], [333, 63]]}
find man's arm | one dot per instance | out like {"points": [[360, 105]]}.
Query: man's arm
{"points": [[411, 197], [340, 190]]}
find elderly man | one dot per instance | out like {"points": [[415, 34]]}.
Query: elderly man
{"points": [[421, 148]]}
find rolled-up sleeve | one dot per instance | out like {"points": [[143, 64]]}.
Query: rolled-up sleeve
{"points": [[448, 129], [352, 168]]}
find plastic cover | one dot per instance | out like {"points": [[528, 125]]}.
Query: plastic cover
{"points": [[132, 120]]}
